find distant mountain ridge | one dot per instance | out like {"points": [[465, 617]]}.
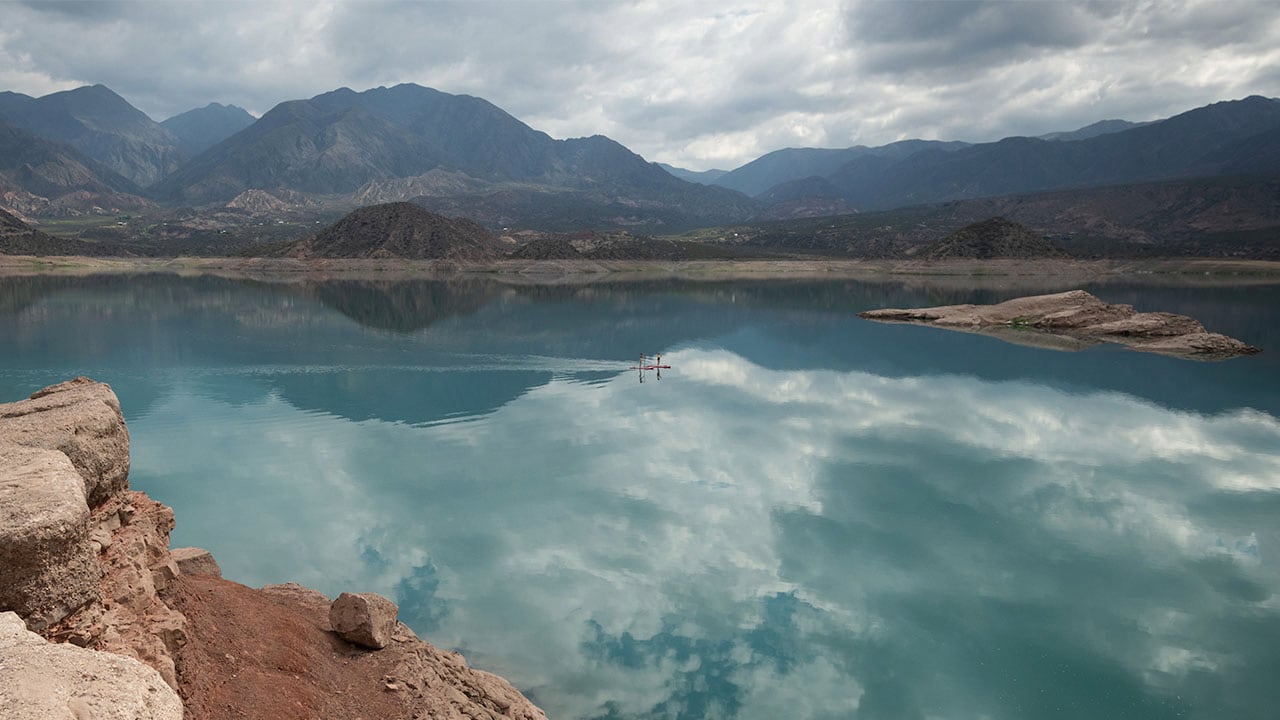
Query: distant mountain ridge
{"points": [[790, 164], [1219, 139], [703, 177], [200, 129], [102, 125], [1102, 127]]}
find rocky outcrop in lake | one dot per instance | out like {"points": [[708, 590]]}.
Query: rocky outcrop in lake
{"points": [[1074, 320], [100, 619]]}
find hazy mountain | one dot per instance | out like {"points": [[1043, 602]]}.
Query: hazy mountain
{"points": [[782, 166], [347, 142], [200, 129], [1203, 142], [398, 230], [100, 124], [1102, 127], [702, 177]]}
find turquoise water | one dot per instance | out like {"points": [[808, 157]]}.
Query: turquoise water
{"points": [[808, 516]]}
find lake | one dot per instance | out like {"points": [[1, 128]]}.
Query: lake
{"points": [[808, 516]]}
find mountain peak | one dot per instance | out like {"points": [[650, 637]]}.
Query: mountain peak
{"points": [[200, 129]]}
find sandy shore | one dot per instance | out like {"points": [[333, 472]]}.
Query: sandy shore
{"points": [[958, 273]]}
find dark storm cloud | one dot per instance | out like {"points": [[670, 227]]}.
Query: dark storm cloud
{"points": [[694, 83], [929, 35]]}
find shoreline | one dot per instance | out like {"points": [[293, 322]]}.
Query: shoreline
{"points": [[96, 606], [1207, 271]]}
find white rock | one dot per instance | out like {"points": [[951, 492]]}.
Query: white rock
{"points": [[82, 419], [41, 680], [47, 565], [366, 619]]}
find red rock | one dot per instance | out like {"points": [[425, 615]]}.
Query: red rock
{"points": [[195, 561]]}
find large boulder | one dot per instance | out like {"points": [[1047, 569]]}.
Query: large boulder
{"points": [[41, 680], [366, 619], [82, 419], [48, 568]]}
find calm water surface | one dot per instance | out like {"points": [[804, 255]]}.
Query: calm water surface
{"points": [[809, 516]]}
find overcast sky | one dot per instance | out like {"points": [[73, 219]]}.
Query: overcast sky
{"points": [[696, 84]]}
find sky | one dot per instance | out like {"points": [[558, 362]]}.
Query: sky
{"points": [[695, 84]]}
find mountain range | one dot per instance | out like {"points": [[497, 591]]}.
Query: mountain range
{"points": [[1226, 138], [408, 141], [89, 151]]}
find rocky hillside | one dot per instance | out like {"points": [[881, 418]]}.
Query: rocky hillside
{"points": [[49, 168], [100, 124], [131, 630], [992, 238], [398, 230]]}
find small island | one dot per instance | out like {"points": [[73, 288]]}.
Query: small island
{"points": [[1075, 320]]}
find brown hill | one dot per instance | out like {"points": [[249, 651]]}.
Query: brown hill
{"points": [[398, 230], [992, 238]]}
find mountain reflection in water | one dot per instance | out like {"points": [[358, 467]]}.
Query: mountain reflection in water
{"points": [[811, 516]]}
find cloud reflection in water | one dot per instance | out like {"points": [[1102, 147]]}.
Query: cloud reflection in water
{"points": [[744, 542]]}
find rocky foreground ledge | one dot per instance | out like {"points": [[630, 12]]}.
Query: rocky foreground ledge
{"points": [[1075, 320], [100, 619]]}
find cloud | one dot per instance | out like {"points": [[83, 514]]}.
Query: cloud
{"points": [[698, 84], [957, 35]]}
